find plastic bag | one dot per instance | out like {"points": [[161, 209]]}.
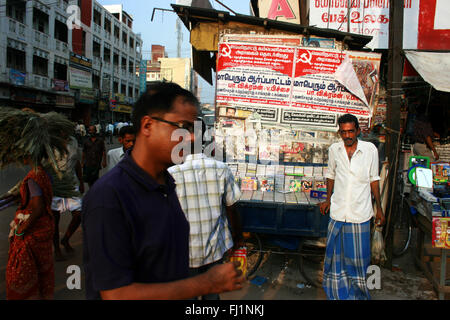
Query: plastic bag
{"points": [[377, 246]]}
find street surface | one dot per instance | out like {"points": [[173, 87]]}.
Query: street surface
{"points": [[280, 273]]}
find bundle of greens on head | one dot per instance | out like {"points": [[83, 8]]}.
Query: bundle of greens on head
{"points": [[26, 134]]}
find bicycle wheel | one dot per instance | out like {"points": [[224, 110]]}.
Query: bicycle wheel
{"points": [[311, 259], [402, 229], [254, 253]]}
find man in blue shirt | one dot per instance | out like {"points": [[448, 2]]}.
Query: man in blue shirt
{"points": [[136, 237]]}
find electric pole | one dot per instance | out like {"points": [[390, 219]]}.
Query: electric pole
{"points": [[395, 73]]}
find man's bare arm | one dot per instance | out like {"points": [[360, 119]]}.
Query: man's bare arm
{"points": [[220, 278], [325, 206], [375, 188]]}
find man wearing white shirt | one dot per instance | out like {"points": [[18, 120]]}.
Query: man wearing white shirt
{"points": [[110, 132], [127, 137], [352, 178]]}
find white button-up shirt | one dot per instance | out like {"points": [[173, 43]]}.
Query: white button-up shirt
{"points": [[351, 200], [114, 156]]}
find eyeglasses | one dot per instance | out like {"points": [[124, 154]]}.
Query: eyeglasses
{"points": [[189, 126]]}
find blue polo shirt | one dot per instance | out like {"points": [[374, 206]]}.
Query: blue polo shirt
{"points": [[134, 230]]}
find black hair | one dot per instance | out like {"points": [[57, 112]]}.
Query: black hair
{"points": [[126, 130], [347, 118], [159, 98]]}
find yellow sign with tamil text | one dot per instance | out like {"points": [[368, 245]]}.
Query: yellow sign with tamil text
{"points": [[124, 108]]}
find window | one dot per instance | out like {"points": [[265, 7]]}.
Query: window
{"points": [[124, 63], [61, 31], [106, 55], [130, 92], [130, 67], [16, 10], [107, 25], [124, 37], [16, 59], [97, 17], [95, 81], [40, 21], [131, 43], [96, 49], [40, 66], [123, 89], [60, 71], [116, 87]]}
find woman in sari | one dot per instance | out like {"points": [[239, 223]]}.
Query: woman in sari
{"points": [[31, 138], [30, 268]]}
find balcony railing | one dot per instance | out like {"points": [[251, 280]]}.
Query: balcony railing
{"points": [[62, 5], [61, 46], [97, 62], [106, 65], [41, 82], [41, 39], [97, 29], [16, 27]]}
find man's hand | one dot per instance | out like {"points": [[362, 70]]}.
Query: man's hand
{"points": [[436, 155], [324, 207], [379, 218], [104, 163], [225, 277]]}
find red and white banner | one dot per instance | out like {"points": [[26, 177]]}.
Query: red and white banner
{"points": [[299, 80], [426, 22]]}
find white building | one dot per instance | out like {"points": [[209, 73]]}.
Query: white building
{"points": [[34, 50], [38, 53], [116, 50]]}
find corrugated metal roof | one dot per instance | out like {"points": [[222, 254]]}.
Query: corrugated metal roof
{"points": [[191, 15]]}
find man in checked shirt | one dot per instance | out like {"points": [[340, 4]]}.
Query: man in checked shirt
{"points": [[207, 193]]}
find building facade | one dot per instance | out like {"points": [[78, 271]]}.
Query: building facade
{"points": [[74, 57]]}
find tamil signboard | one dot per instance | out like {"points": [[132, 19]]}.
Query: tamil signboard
{"points": [[142, 76], [426, 23], [17, 77], [80, 72], [60, 85], [80, 79], [124, 108], [303, 82], [87, 96], [78, 60]]}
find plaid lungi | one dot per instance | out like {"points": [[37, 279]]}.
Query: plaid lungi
{"points": [[347, 258]]}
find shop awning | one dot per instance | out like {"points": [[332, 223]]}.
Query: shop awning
{"points": [[433, 67]]}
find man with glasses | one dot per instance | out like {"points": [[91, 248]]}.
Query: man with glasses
{"points": [[136, 236], [351, 179]]}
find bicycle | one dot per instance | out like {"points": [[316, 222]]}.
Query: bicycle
{"points": [[404, 213]]}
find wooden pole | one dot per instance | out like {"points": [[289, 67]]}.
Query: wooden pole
{"points": [[395, 72]]}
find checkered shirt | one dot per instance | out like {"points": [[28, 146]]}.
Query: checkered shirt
{"points": [[204, 187]]}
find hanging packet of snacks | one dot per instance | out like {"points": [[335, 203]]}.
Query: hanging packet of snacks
{"points": [[241, 256]]}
